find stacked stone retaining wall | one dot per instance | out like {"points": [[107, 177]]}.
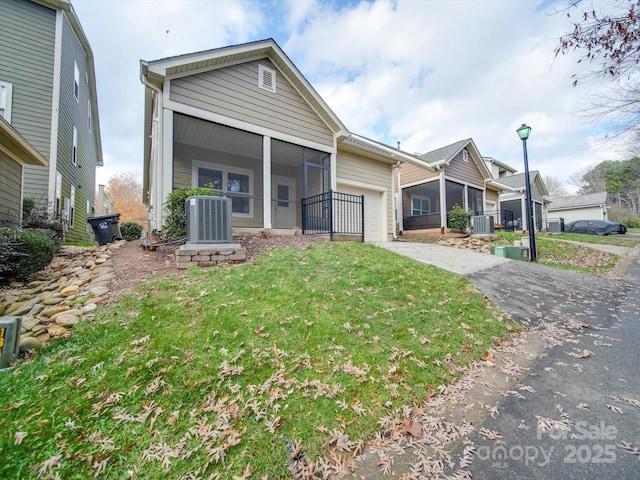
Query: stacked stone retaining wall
{"points": [[208, 255]]}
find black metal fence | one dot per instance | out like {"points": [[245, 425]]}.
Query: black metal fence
{"points": [[503, 220], [333, 213]]}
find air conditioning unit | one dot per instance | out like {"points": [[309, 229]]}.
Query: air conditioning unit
{"points": [[482, 224], [208, 219], [555, 226]]}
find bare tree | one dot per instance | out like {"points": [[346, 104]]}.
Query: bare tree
{"points": [[611, 43], [554, 186]]}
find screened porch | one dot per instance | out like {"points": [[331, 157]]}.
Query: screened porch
{"points": [[255, 171]]}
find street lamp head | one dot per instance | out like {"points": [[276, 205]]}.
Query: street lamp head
{"points": [[524, 131]]}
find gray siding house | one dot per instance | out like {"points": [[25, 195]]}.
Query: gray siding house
{"points": [[592, 206], [244, 121], [515, 200], [48, 97]]}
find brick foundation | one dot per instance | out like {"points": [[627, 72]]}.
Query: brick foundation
{"points": [[209, 255]]}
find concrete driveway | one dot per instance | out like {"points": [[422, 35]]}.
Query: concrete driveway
{"points": [[575, 412]]}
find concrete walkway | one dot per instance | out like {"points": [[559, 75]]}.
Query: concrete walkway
{"points": [[455, 260]]}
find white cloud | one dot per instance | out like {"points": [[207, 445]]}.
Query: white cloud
{"points": [[423, 73]]}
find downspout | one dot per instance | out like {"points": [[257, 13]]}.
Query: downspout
{"points": [[395, 200], [159, 158]]}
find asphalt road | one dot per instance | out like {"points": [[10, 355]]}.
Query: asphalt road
{"points": [[575, 414], [578, 413]]}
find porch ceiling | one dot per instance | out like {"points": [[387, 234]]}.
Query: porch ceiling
{"points": [[192, 131], [203, 134]]}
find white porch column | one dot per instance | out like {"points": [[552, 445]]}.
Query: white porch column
{"points": [[523, 207], [333, 172], [399, 205], [165, 168], [266, 181], [443, 201]]}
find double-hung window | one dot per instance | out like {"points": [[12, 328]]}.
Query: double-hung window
{"points": [[420, 205], [234, 183], [76, 81], [74, 147]]}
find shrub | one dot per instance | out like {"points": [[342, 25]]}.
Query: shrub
{"points": [[175, 212], [459, 219], [130, 231], [36, 214], [23, 253]]}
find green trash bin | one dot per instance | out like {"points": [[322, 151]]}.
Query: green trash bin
{"points": [[9, 339], [106, 227]]}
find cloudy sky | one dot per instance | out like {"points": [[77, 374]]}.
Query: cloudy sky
{"points": [[425, 73]]}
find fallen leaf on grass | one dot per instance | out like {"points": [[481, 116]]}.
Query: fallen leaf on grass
{"points": [[18, 437]]}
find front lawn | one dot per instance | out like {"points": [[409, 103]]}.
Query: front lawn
{"points": [[234, 372], [553, 251]]}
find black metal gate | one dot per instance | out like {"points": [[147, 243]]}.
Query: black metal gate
{"points": [[333, 213]]}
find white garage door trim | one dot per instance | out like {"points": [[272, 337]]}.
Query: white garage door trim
{"points": [[375, 218]]}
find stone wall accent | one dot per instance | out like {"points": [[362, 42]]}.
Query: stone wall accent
{"points": [[209, 255]]}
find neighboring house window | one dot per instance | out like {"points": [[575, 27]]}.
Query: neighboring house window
{"points": [[89, 118], [58, 205], [74, 148], [420, 205], [234, 183], [267, 78], [72, 206], [5, 101], [76, 81], [465, 155]]}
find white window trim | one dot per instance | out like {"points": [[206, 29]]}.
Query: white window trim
{"points": [[74, 147], [72, 202], [421, 198], [465, 155], [264, 72], [226, 170], [58, 205], [76, 81], [7, 100], [89, 117]]}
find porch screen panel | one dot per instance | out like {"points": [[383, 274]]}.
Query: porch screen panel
{"points": [[421, 206], [474, 200], [455, 194], [225, 159], [514, 206], [538, 209]]}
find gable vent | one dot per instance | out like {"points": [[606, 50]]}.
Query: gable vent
{"points": [[266, 78], [208, 219]]}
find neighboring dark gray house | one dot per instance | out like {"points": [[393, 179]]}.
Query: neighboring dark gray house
{"points": [[48, 98], [592, 206], [516, 200]]}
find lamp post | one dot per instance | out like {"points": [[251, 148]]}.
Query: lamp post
{"points": [[523, 133]]}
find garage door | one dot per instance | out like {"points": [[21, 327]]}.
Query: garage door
{"points": [[373, 212]]}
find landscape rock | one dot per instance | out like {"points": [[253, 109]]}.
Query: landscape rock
{"points": [[29, 343], [67, 320], [53, 303]]}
